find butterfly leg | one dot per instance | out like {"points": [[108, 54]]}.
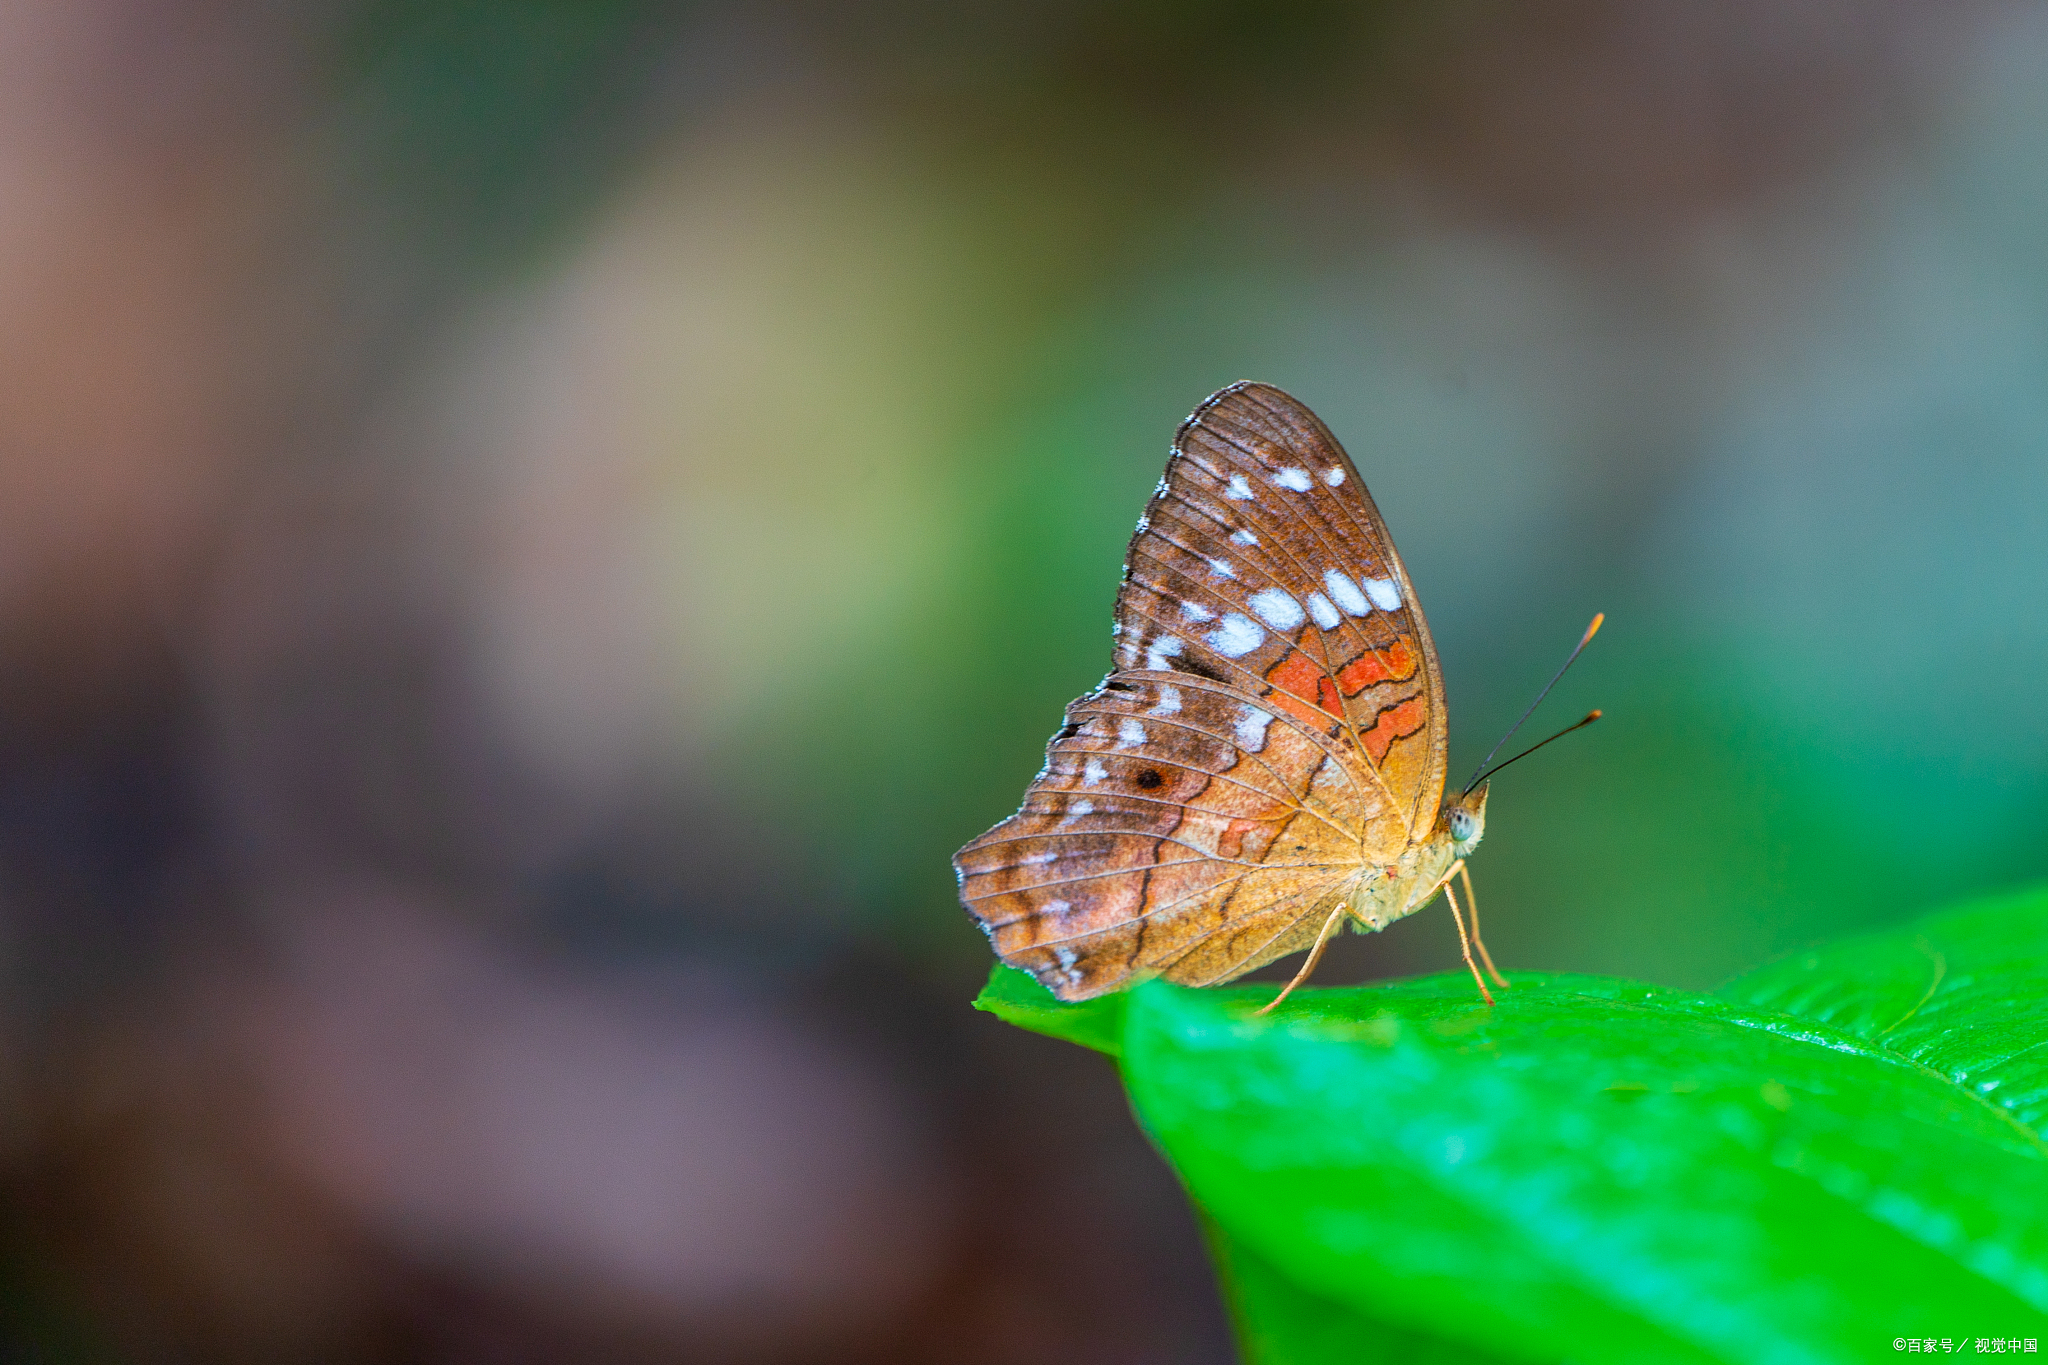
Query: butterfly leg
{"points": [[1314, 956], [1472, 906], [1458, 919]]}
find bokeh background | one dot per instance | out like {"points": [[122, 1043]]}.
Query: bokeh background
{"points": [[530, 529]]}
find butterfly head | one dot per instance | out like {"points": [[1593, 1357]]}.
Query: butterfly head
{"points": [[1464, 816]]}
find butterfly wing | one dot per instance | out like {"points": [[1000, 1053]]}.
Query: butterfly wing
{"points": [[1174, 819], [1273, 732], [1254, 463]]}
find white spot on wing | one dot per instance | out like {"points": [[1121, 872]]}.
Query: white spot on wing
{"points": [[1081, 808], [1160, 650], [1128, 733], [1296, 479], [1169, 701], [1058, 908], [1195, 611], [1067, 960], [1325, 615], [1221, 568], [1251, 728], [1346, 593], [1032, 860], [1243, 538], [1094, 772], [1236, 637], [1384, 592], [1334, 475], [1276, 608], [1237, 490]]}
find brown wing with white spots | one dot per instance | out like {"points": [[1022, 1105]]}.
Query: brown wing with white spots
{"points": [[1172, 811], [1273, 732]]}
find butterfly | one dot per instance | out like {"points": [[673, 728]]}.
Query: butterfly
{"points": [[1266, 762]]}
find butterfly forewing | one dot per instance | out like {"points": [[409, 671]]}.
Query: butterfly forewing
{"points": [[1274, 729], [1263, 520]]}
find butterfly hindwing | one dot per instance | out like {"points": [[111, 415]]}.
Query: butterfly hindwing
{"points": [[1170, 809]]}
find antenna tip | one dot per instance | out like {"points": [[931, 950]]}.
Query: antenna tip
{"points": [[1591, 716], [1599, 619]]}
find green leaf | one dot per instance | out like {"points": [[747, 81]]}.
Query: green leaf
{"points": [[1280, 1323], [1832, 1151], [1016, 998], [1963, 993]]}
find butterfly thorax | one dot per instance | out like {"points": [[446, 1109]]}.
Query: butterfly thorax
{"points": [[1401, 888]]}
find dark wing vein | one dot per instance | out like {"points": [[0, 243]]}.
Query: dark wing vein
{"points": [[1179, 901], [1319, 893], [1285, 800], [1195, 682], [1203, 855]]}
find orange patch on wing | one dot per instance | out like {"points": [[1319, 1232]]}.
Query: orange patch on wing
{"points": [[1231, 844], [1394, 723], [1395, 661], [1297, 676]]}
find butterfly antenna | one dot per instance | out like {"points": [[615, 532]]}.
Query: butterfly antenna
{"points": [[1482, 770], [1579, 724]]}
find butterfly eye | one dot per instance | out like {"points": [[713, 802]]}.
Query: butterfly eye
{"points": [[1461, 825]]}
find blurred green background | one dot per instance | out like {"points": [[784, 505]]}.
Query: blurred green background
{"points": [[529, 532]]}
